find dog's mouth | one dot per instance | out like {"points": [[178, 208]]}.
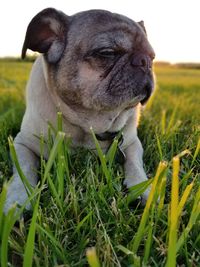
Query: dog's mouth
{"points": [[132, 92], [148, 91], [133, 103], [143, 98]]}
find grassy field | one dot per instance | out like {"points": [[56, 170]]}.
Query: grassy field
{"points": [[85, 218]]}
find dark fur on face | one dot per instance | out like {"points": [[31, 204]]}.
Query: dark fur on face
{"points": [[103, 60]]}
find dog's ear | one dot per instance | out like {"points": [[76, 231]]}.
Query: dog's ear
{"points": [[141, 23], [46, 33]]}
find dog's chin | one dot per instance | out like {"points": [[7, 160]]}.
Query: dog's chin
{"points": [[142, 99], [124, 102], [133, 102]]}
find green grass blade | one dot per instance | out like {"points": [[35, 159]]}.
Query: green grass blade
{"points": [[57, 246], [58, 141], [81, 223], [59, 122], [51, 128], [151, 225], [9, 221], [139, 235], [136, 259], [184, 180], [137, 190], [172, 120], [149, 242], [196, 152], [183, 153], [161, 196], [32, 198], [173, 225], [42, 153], [61, 165], [17, 165], [2, 202], [60, 176], [163, 122], [110, 156], [102, 158], [29, 247], [54, 192], [159, 147], [192, 220], [184, 198], [125, 250]]}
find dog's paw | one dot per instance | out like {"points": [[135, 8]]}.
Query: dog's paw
{"points": [[16, 194]]}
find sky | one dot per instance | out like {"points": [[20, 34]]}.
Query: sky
{"points": [[173, 26]]}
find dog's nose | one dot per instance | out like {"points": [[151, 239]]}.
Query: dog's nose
{"points": [[142, 61]]}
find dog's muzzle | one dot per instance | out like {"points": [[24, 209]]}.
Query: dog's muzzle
{"points": [[144, 63]]}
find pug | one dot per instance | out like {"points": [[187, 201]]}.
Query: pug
{"points": [[96, 68]]}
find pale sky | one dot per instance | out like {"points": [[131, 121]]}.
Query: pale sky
{"points": [[173, 26]]}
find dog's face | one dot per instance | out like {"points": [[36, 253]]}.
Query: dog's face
{"points": [[95, 59]]}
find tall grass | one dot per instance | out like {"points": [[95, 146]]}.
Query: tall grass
{"points": [[81, 213], [101, 191]]}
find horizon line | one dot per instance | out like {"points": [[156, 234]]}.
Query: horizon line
{"points": [[35, 55]]}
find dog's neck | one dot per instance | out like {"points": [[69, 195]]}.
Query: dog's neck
{"points": [[120, 156], [107, 136]]}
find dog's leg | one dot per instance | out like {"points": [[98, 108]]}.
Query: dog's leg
{"points": [[134, 171], [29, 163]]}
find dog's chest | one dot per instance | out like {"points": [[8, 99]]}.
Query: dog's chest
{"points": [[119, 122], [103, 124]]}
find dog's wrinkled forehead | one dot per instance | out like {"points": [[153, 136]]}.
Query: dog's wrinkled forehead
{"points": [[103, 29], [52, 32]]}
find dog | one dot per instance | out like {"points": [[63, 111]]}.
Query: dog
{"points": [[96, 68]]}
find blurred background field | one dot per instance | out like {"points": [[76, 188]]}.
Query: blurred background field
{"points": [[13, 77]]}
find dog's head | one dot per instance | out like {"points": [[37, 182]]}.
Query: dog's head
{"points": [[95, 59]]}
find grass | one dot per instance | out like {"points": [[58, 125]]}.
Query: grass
{"points": [[81, 215]]}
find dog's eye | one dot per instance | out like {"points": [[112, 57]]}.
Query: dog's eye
{"points": [[107, 53]]}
